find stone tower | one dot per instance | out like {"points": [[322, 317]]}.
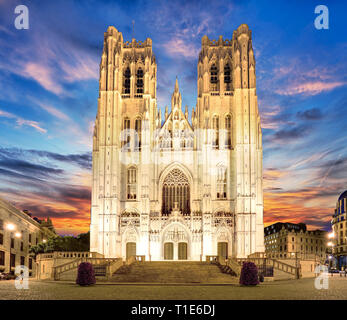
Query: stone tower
{"points": [[227, 108], [127, 113]]}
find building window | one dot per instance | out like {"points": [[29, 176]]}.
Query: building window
{"points": [[131, 183], [30, 263], [227, 77], [29, 237], [22, 261], [139, 81], [1, 238], [228, 131], [126, 134], [138, 129], [1, 224], [214, 77], [13, 260], [215, 132], [2, 258], [176, 190], [21, 246], [221, 182], [12, 243], [126, 85]]}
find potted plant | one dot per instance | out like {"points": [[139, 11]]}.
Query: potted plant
{"points": [[86, 275], [249, 274]]}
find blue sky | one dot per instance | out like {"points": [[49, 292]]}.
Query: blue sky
{"points": [[49, 89]]}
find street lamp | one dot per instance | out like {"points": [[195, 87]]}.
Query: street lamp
{"points": [[11, 227]]}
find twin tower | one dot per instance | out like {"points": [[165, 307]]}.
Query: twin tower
{"points": [[169, 188]]}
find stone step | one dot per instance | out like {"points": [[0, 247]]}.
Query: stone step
{"points": [[174, 272]]}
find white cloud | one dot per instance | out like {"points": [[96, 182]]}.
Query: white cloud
{"points": [[20, 121]]}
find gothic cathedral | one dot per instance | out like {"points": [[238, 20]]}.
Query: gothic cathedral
{"points": [[174, 189]]}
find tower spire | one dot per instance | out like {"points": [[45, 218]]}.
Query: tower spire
{"points": [[176, 85]]}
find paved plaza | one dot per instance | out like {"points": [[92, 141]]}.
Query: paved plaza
{"points": [[303, 289]]}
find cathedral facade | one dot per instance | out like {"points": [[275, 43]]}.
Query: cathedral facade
{"points": [[169, 188]]}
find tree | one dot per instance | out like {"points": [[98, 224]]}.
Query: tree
{"points": [[65, 243]]}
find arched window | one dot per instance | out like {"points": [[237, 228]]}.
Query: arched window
{"points": [[227, 77], [176, 190], [214, 77], [139, 80], [126, 84], [228, 132], [126, 133], [221, 182], [138, 129], [131, 183], [215, 132]]}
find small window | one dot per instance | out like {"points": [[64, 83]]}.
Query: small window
{"points": [[12, 243], [131, 183], [1, 239]]}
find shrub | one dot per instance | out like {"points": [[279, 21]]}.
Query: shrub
{"points": [[249, 274], [86, 275]]}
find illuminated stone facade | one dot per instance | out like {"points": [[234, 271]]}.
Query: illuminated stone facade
{"points": [[172, 188]]}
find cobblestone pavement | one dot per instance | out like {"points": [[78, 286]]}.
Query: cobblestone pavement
{"points": [[302, 289]]}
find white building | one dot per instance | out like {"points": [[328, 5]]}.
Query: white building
{"points": [[173, 189]]}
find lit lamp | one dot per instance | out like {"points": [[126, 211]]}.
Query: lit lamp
{"points": [[11, 227]]}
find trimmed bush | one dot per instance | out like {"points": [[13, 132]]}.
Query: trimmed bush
{"points": [[86, 275], [249, 274]]}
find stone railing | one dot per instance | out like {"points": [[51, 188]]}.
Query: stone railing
{"points": [[113, 266], [234, 265], [68, 266], [68, 255], [212, 258], [140, 258], [278, 265]]}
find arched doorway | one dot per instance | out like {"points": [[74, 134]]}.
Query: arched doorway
{"points": [[176, 189], [223, 250], [168, 251], [182, 251], [130, 249]]}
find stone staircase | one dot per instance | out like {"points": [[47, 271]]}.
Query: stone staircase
{"points": [[173, 272]]}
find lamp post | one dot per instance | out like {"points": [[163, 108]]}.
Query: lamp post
{"points": [[11, 227]]}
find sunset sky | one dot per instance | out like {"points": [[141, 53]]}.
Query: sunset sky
{"points": [[49, 90]]}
